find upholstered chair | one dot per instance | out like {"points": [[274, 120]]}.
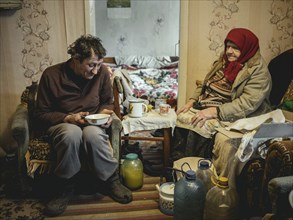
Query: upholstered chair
{"points": [[34, 153]]}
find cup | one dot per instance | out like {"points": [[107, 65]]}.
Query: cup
{"points": [[164, 109], [137, 108]]}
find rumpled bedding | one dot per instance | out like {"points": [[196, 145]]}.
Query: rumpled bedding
{"points": [[155, 83], [151, 77]]}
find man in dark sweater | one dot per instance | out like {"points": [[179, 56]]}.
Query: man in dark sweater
{"points": [[67, 93]]}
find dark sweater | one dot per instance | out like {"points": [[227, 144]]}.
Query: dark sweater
{"points": [[62, 92]]}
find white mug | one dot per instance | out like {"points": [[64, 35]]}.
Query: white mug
{"points": [[164, 109], [137, 108]]}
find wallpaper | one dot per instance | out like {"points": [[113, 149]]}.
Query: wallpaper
{"points": [[280, 20], [34, 26]]}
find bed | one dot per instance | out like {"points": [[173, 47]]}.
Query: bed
{"points": [[147, 77]]}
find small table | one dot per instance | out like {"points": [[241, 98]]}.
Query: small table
{"points": [[152, 120]]}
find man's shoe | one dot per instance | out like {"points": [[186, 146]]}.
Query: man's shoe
{"points": [[58, 204], [119, 192]]}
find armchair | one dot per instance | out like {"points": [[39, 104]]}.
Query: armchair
{"points": [[32, 147], [277, 180], [279, 190]]}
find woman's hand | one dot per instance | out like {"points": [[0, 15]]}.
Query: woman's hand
{"points": [[203, 115], [186, 107]]}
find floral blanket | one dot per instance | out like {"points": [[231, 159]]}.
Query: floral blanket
{"points": [[155, 83], [151, 77]]}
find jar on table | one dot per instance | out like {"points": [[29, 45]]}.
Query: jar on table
{"points": [[132, 172]]}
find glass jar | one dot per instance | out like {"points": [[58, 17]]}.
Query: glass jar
{"points": [[132, 172]]}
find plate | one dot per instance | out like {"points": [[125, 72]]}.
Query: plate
{"points": [[97, 119]]}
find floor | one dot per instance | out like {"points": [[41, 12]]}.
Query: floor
{"points": [[145, 204]]}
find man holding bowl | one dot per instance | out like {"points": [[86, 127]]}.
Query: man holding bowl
{"points": [[67, 93]]}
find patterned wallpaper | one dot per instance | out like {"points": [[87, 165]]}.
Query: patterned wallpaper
{"points": [[34, 26], [280, 19]]}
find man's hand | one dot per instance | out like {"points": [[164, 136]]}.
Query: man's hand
{"points": [[76, 118], [109, 122]]}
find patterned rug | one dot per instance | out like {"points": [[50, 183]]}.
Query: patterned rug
{"points": [[14, 203]]}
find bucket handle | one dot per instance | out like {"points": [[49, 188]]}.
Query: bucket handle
{"points": [[185, 163], [173, 174]]}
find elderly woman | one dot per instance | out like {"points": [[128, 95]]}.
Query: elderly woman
{"points": [[238, 86]]}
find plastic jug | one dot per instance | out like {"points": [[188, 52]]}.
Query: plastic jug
{"points": [[132, 172], [189, 197], [222, 202], [205, 173]]}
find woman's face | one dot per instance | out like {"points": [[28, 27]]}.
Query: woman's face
{"points": [[232, 52]]}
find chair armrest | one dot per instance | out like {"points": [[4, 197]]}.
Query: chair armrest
{"points": [[20, 132], [19, 125], [115, 135], [279, 189], [117, 81], [117, 92]]}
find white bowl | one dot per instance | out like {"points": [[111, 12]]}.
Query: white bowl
{"points": [[97, 119]]}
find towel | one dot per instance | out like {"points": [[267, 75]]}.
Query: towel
{"points": [[249, 124]]}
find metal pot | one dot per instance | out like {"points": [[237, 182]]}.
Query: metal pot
{"points": [[166, 200]]}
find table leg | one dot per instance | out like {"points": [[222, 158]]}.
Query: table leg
{"points": [[166, 146]]}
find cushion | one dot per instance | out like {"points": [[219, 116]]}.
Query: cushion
{"points": [[39, 156]]}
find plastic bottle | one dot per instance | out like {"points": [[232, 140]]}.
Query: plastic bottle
{"points": [[132, 172], [189, 197], [205, 173], [221, 202]]}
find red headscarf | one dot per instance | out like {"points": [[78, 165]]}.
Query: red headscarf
{"points": [[247, 43]]}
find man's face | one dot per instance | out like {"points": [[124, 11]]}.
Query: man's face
{"points": [[232, 51], [89, 67]]}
